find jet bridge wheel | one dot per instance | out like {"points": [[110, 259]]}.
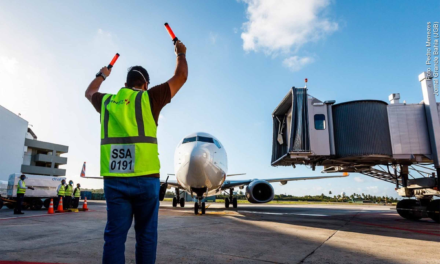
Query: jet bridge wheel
{"points": [[196, 208], [434, 210], [234, 202], [182, 202], [406, 209], [226, 202]]}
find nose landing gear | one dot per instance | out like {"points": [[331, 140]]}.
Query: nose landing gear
{"points": [[200, 205]]}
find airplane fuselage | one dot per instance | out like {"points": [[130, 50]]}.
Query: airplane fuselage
{"points": [[200, 162]]}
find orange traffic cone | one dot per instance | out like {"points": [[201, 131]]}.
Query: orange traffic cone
{"points": [[50, 210], [60, 206], [85, 204]]}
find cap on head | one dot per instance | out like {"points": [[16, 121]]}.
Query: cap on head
{"points": [[137, 76]]}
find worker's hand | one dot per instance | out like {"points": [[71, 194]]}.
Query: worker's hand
{"points": [[106, 71], [179, 48]]}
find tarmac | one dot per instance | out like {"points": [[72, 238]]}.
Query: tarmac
{"points": [[266, 233]]}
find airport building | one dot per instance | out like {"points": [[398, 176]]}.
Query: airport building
{"points": [[22, 152]]}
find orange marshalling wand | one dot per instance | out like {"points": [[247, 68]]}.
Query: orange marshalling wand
{"points": [[170, 31]]}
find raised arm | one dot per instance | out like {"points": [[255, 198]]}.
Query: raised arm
{"points": [[96, 83], [181, 72]]}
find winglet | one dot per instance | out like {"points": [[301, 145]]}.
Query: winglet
{"points": [[83, 171]]}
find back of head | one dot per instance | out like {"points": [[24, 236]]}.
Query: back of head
{"points": [[137, 76]]}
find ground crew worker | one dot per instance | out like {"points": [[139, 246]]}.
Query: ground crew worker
{"points": [[76, 195], [68, 195], [129, 156], [61, 192], [21, 190]]}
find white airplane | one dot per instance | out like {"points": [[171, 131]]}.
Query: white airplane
{"points": [[201, 169]]}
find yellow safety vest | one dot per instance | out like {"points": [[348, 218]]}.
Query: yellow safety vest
{"points": [[69, 190], [77, 193], [61, 191], [128, 135], [21, 190]]}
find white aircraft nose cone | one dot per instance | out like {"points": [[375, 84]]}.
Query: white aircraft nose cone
{"points": [[198, 160]]}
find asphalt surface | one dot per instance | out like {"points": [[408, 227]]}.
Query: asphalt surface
{"points": [[251, 234]]}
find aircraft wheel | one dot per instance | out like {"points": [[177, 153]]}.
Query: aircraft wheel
{"points": [[1, 204], [405, 208], [182, 202], [226, 202], [434, 210], [203, 208], [196, 208], [174, 201], [234, 202]]}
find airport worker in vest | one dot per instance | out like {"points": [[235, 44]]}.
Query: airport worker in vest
{"points": [[68, 195], [61, 192], [129, 156], [76, 195], [21, 190]]}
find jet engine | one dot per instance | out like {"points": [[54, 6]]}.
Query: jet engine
{"points": [[259, 191]]}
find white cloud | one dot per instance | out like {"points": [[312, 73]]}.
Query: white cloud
{"points": [[359, 179], [295, 63], [282, 27], [372, 189], [161, 117]]}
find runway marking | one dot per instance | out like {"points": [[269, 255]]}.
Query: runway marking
{"points": [[32, 216], [397, 228], [22, 262], [271, 213]]}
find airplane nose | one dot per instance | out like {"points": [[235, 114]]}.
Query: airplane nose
{"points": [[199, 157]]}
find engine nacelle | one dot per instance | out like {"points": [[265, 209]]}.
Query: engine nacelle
{"points": [[259, 191]]}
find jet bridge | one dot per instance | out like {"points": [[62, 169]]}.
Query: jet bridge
{"points": [[397, 142]]}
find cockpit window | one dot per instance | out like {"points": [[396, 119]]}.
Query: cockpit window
{"points": [[198, 138], [191, 139], [217, 144], [205, 139]]}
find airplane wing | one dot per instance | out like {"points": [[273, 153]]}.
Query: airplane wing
{"points": [[171, 183], [237, 174], [174, 184], [283, 181]]}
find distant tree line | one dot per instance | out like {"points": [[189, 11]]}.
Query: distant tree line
{"points": [[315, 198]]}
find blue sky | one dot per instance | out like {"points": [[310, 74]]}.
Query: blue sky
{"points": [[243, 57]]}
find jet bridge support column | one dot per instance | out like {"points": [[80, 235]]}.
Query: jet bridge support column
{"points": [[432, 118]]}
